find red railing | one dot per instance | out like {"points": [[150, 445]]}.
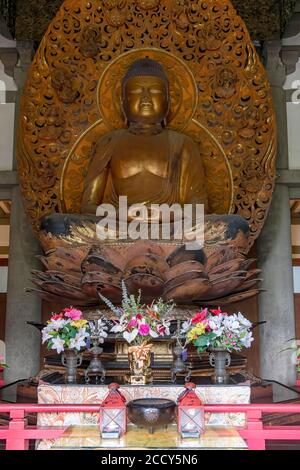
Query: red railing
{"points": [[17, 434]]}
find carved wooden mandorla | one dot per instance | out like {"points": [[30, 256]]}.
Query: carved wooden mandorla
{"points": [[219, 96]]}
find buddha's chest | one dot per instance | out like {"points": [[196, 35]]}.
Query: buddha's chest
{"points": [[136, 155]]}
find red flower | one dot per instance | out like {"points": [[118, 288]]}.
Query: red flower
{"points": [[57, 316], [139, 316], [200, 316], [218, 311], [161, 329]]}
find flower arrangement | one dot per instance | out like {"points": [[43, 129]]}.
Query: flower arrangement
{"points": [[214, 329], [66, 330], [139, 323]]}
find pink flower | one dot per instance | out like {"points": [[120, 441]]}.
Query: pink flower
{"points": [[144, 329], [132, 323], [72, 313]]}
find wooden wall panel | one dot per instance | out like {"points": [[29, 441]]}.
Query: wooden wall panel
{"points": [[249, 308]]}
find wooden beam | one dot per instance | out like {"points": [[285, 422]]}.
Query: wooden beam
{"points": [[295, 209], [8, 179], [5, 207], [294, 193], [289, 178]]}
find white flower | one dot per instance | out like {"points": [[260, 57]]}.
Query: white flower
{"points": [[58, 344], [243, 321], [185, 327], [129, 337], [117, 328], [167, 326], [216, 325], [83, 332], [58, 324], [102, 328], [247, 340], [78, 342], [45, 336], [231, 323], [153, 334]]}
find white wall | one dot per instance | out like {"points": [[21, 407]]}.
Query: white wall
{"points": [[7, 113], [7, 82], [293, 108], [7, 116]]}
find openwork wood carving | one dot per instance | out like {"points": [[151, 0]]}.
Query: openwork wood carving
{"points": [[220, 97]]}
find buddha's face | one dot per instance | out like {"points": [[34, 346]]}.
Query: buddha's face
{"points": [[145, 100]]}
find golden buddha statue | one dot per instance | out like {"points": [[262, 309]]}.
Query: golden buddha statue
{"points": [[224, 160], [146, 162]]}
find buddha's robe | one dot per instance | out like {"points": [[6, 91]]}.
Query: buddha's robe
{"points": [[183, 183]]}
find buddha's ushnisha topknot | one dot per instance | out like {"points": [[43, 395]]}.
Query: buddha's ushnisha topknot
{"points": [[145, 67]]}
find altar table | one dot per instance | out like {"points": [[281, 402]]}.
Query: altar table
{"points": [[91, 394]]}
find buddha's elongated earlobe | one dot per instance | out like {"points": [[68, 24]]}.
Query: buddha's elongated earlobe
{"points": [[164, 123], [124, 114]]}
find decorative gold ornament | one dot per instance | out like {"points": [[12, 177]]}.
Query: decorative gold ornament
{"points": [[139, 358]]}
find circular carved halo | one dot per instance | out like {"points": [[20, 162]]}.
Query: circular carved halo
{"points": [[215, 161], [76, 166], [248, 140], [183, 88]]}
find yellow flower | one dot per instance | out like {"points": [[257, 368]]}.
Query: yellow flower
{"points": [[79, 323], [196, 331]]}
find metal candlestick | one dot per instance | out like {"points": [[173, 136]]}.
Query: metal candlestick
{"points": [[178, 365], [96, 368]]}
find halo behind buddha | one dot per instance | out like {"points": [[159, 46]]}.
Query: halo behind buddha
{"points": [[218, 89]]}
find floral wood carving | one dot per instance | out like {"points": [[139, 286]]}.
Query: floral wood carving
{"points": [[220, 96]]}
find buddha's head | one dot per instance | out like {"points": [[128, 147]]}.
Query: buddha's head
{"points": [[145, 93]]}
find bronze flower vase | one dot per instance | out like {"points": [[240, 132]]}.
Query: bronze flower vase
{"points": [[139, 358], [71, 359], [219, 359]]}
